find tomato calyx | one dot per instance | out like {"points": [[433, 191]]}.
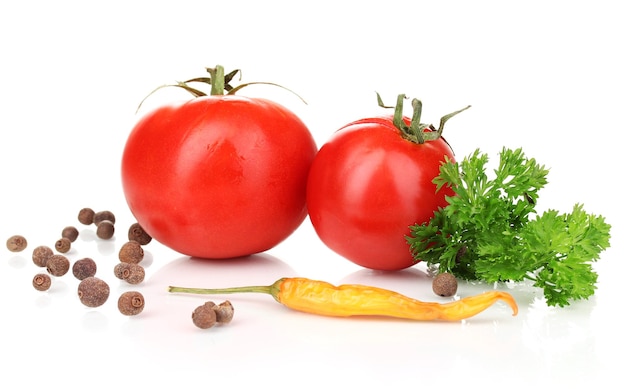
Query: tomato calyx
{"points": [[416, 131], [218, 80]]}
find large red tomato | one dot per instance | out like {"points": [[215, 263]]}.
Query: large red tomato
{"points": [[369, 183], [218, 176]]}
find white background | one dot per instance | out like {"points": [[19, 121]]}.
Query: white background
{"points": [[547, 76]]}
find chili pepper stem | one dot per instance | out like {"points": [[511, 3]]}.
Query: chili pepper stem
{"points": [[238, 289], [272, 290]]}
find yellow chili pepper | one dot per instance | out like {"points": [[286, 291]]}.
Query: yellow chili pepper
{"points": [[322, 298]]}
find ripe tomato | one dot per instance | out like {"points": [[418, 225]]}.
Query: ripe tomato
{"points": [[368, 184], [218, 176]]}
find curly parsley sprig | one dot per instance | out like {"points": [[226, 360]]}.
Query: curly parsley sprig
{"points": [[491, 232]]}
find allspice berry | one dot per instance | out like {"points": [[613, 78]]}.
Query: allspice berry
{"points": [[85, 216], [204, 316], [105, 229], [103, 215], [42, 282], [224, 312], [136, 274], [70, 232], [16, 243], [41, 254], [445, 285], [131, 303], [210, 304], [137, 233], [93, 292], [130, 272], [83, 268], [122, 270], [58, 265], [63, 245], [131, 252]]}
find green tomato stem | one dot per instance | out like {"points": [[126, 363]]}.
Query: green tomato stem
{"points": [[217, 80], [416, 131]]}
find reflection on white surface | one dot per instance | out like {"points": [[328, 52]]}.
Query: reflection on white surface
{"points": [[94, 321], [552, 344], [560, 340], [544, 345]]}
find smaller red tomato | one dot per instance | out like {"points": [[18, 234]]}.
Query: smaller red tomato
{"points": [[371, 181]]}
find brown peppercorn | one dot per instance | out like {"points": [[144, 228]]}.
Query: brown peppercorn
{"points": [[105, 229], [130, 272], [204, 316], [58, 265], [42, 282], [16, 243], [41, 254], [131, 303], [136, 274], [93, 292], [63, 245], [445, 285], [224, 312], [85, 216], [137, 233], [83, 268], [131, 252], [103, 215], [70, 232], [122, 270], [210, 304]]}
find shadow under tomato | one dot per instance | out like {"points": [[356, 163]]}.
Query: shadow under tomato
{"points": [[409, 281], [256, 269]]}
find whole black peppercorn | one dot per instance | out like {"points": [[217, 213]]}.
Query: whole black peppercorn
{"points": [[58, 265], [63, 245], [16, 243], [70, 232], [131, 303], [445, 285], [41, 254], [103, 215], [105, 229], [85, 216], [137, 233], [131, 252], [83, 268], [204, 316], [42, 282], [93, 292]]}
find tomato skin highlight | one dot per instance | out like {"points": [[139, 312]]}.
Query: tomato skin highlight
{"points": [[367, 185], [218, 176]]}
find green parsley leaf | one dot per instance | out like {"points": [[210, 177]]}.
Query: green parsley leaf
{"points": [[490, 230]]}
